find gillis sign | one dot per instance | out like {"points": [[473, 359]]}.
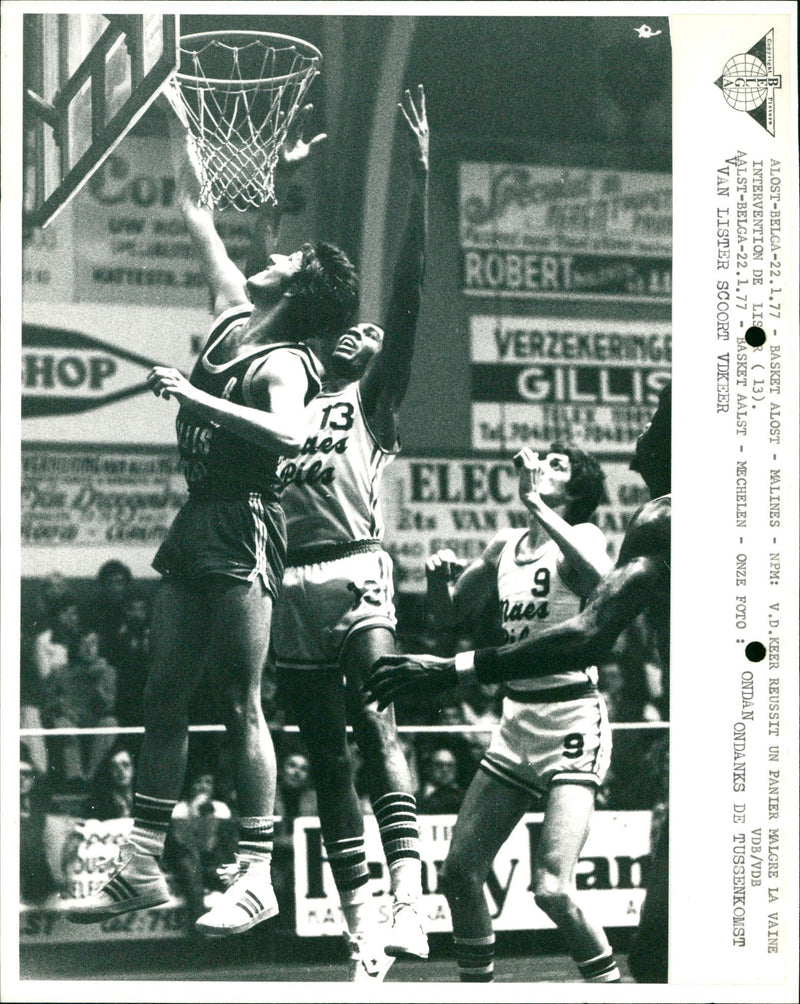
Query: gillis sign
{"points": [[611, 875]]}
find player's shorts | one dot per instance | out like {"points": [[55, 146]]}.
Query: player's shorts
{"points": [[325, 602], [565, 738], [240, 537]]}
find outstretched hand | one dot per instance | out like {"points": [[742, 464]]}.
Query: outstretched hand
{"points": [[294, 149], [416, 117], [394, 675]]}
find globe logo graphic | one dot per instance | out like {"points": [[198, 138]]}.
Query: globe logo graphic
{"points": [[745, 82]]}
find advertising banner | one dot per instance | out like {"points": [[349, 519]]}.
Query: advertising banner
{"points": [[593, 383], [84, 367], [572, 233], [81, 507], [611, 875]]}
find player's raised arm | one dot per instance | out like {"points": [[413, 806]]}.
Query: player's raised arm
{"points": [[294, 151], [225, 280], [384, 386], [583, 546], [457, 592]]}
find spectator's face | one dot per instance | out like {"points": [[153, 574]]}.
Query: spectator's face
{"points": [[55, 585], [122, 769], [136, 612], [115, 585], [26, 778], [295, 771], [89, 647], [443, 767], [203, 784], [69, 618], [451, 715]]}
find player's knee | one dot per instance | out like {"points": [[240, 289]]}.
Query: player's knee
{"points": [[242, 711], [331, 769], [456, 879], [552, 893], [375, 731]]}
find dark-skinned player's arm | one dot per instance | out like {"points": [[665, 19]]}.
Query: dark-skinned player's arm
{"points": [[293, 154], [225, 280], [574, 644], [384, 386]]}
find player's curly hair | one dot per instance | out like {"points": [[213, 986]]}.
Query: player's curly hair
{"points": [[587, 485], [324, 291]]}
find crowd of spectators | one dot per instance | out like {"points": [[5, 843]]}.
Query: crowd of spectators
{"points": [[85, 649]]}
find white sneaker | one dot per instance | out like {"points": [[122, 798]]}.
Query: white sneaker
{"points": [[247, 901], [138, 885], [407, 936], [368, 962]]}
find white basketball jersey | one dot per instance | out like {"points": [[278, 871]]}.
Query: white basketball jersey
{"points": [[533, 596], [331, 489]]}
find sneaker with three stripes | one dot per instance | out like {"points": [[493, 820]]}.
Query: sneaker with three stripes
{"points": [[138, 885], [247, 901]]}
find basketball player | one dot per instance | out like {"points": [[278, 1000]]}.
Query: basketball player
{"points": [[222, 559], [336, 615], [638, 584], [554, 741]]}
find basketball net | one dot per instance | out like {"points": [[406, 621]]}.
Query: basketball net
{"points": [[239, 92]]}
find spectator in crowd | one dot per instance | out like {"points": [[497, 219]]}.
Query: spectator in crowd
{"points": [[39, 605], [111, 796], [467, 747], [128, 652], [51, 645], [107, 611], [273, 712], [441, 791], [35, 878], [294, 797], [82, 694], [200, 849]]}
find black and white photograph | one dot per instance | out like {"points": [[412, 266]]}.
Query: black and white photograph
{"points": [[346, 635]]}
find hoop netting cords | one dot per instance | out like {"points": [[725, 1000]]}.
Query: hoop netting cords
{"points": [[238, 126]]}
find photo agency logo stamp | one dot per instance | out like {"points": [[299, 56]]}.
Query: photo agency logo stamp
{"points": [[749, 81]]}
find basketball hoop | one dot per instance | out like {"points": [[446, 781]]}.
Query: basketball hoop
{"points": [[240, 91]]}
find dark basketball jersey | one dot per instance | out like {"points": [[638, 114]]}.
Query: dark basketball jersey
{"points": [[212, 458]]}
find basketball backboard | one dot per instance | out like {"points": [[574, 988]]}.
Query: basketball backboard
{"points": [[88, 79]]}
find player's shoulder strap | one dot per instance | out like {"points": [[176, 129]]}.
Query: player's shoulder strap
{"points": [[311, 364]]}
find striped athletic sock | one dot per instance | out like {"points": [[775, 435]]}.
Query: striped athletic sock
{"points": [[396, 815], [348, 861], [601, 969], [151, 818], [475, 959], [256, 834]]}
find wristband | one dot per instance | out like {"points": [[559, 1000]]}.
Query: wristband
{"points": [[465, 667]]}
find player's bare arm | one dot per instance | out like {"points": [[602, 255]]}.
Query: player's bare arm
{"points": [[384, 386], [574, 644], [294, 152], [457, 591], [225, 280], [583, 547], [276, 423]]}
